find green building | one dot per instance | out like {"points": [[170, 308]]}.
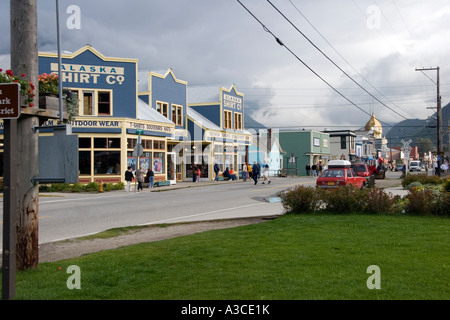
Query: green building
{"points": [[303, 147]]}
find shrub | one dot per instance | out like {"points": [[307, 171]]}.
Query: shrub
{"points": [[300, 199], [446, 185], [378, 201], [422, 178], [91, 186], [343, 199], [420, 202]]}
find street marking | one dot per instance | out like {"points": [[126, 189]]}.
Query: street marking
{"points": [[204, 213]]}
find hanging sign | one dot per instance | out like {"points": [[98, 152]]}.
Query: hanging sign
{"points": [[9, 100]]}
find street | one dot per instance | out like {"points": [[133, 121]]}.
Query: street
{"points": [[70, 215]]}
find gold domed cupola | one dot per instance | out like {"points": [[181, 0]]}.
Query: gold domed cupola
{"points": [[374, 125]]}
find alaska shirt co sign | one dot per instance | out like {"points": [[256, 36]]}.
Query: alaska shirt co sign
{"points": [[9, 100]]}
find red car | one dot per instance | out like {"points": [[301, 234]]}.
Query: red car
{"points": [[340, 173], [362, 170]]}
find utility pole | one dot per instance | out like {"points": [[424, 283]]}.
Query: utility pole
{"points": [[439, 117], [24, 60]]}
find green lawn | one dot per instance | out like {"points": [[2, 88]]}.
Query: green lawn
{"points": [[290, 258]]}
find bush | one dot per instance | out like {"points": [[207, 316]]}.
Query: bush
{"points": [[378, 201], [421, 178], [91, 186], [344, 199], [446, 185], [422, 202], [300, 199]]}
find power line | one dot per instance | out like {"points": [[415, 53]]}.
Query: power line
{"points": [[335, 50], [329, 59], [298, 58]]}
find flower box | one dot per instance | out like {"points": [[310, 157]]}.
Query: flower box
{"points": [[51, 102]]}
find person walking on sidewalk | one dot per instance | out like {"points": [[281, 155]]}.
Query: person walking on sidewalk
{"points": [[216, 172], [128, 178], [244, 172], [194, 173], [265, 173], [255, 172], [139, 178], [150, 177], [249, 169]]}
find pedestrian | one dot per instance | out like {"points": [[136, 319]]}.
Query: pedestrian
{"points": [[255, 172], [194, 172], [139, 178], [198, 173], [232, 174], [244, 172], [265, 172], [317, 169], [150, 177], [259, 169], [308, 169], [227, 174], [249, 170], [216, 172], [128, 178], [313, 168]]}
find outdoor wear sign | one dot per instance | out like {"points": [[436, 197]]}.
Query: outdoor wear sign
{"points": [[9, 100]]}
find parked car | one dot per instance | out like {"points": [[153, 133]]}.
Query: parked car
{"points": [[415, 166], [398, 167], [361, 170], [340, 173]]}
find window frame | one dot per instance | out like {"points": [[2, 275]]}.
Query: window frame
{"points": [[228, 120]]}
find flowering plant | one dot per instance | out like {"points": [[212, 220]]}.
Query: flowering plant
{"points": [[48, 83], [26, 87]]}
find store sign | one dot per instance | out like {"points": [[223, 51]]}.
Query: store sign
{"points": [[150, 127], [226, 135], [90, 74], [232, 102], [9, 100]]}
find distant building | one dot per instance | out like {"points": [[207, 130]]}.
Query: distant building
{"points": [[304, 147]]}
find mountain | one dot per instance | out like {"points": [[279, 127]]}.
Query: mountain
{"points": [[416, 129]]}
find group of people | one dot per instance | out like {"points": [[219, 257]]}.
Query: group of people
{"points": [[315, 170], [196, 173], [248, 172], [140, 178]]}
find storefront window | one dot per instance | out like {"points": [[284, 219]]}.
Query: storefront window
{"points": [[84, 143], [107, 162], [107, 143], [159, 145], [158, 162], [84, 162]]}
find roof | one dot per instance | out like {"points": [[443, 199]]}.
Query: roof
{"points": [[203, 94], [197, 117], [145, 112]]}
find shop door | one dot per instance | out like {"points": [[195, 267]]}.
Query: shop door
{"points": [[171, 167]]}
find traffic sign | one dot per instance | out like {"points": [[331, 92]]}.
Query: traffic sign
{"points": [[9, 100]]}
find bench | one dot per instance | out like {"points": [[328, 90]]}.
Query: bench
{"points": [[222, 178], [162, 183]]}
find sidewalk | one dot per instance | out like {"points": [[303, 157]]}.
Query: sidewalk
{"points": [[190, 184]]}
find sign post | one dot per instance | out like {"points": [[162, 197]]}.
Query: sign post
{"points": [[9, 112], [137, 152]]}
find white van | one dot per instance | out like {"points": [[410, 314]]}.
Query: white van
{"points": [[415, 166]]}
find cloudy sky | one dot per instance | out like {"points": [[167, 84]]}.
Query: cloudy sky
{"points": [[331, 49]]}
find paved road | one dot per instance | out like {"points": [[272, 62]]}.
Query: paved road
{"points": [[63, 216], [69, 215]]}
